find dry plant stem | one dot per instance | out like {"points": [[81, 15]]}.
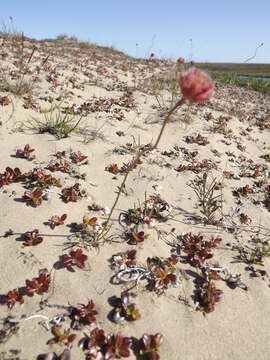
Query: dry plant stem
{"points": [[135, 161]]}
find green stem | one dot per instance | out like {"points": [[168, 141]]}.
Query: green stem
{"points": [[117, 198], [136, 160]]}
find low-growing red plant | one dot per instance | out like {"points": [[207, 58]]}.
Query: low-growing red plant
{"points": [[197, 249], [62, 165], [199, 139], [57, 220], [208, 296], [135, 237], [95, 344], [162, 272], [10, 175], [75, 258], [113, 168], [48, 181], [60, 154], [149, 346], [101, 347], [210, 273], [245, 219], [117, 346], [33, 198], [4, 100], [39, 178], [86, 221], [12, 297], [83, 315], [243, 191], [78, 158], [123, 260], [124, 308], [72, 193], [25, 153], [32, 238], [65, 338], [38, 285]]}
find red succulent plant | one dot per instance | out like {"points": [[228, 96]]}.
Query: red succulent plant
{"points": [[10, 175], [123, 259], [78, 157], [72, 193], [26, 153], [149, 346], [124, 308], [135, 237], [65, 338], [12, 297], [208, 296], [57, 220], [75, 258], [83, 315], [197, 249], [101, 347], [38, 285], [33, 198], [32, 238], [117, 346]]}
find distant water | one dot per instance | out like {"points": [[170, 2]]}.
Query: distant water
{"points": [[245, 77]]}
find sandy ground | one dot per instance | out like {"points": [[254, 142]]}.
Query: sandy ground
{"points": [[235, 124]]}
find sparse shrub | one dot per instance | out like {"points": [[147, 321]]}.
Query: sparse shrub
{"points": [[58, 124], [209, 201]]}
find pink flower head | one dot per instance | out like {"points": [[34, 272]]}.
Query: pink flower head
{"points": [[192, 62], [196, 85]]}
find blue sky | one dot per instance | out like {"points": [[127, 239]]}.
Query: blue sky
{"points": [[207, 30]]}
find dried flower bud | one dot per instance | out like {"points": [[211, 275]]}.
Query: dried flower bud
{"points": [[180, 61], [196, 85]]}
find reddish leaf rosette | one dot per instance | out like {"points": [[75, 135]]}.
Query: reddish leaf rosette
{"points": [[123, 260], [65, 338], [118, 346], [101, 347], [72, 193], [197, 249], [209, 295], [149, 346], [57, 220], [136, 237], [83, 315], [25, 153], [77, 157], [75, 258], [39, 285], [162, 273], [32, 238], [10, 175], [124, 308], [33, 198], [95, 344], [12, 297]]}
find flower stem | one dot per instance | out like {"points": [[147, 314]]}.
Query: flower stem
{"points": [[178, 104], [136, 161]]}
